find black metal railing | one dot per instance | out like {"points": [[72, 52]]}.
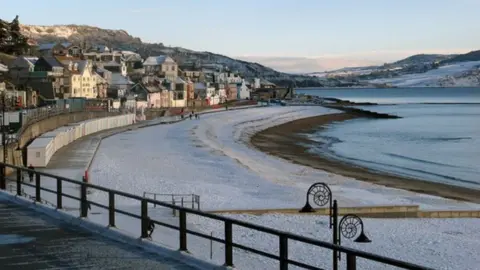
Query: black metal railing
{"points": [[284, 237], [191, 201]]}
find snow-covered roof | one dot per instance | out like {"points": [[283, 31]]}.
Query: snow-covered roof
{"points": [[49, 46], [111, 64], [179, 80], [99, 78], [100, 48], [3, 68], [31, 60], [119, 79], [133, 57], [157, 60]]}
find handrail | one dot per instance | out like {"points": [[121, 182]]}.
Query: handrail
{"points": [[282, 257], [194, 199]]}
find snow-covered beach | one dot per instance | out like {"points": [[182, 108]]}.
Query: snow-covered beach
{"points": [[212, 157]]}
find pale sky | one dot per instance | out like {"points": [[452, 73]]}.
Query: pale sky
{"points": [[375, 30]]}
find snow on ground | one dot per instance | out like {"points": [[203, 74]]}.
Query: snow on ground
{"points": [[436, 243], [211, 158], [430, 78]]}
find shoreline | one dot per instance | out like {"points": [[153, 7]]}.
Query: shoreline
{"points": [[283, 141]]}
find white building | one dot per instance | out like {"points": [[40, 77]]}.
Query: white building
{"points": [[242, 91]]}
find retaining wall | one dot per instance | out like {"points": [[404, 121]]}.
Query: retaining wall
{"points": [[16, 152], [389, 211]]}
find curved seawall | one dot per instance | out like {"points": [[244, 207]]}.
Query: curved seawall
{"points": [[41, 150]]}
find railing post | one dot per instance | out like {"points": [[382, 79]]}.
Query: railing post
{"points": [[228, 244], [183, 230], [351, 262], [144, 215], [59, 193], [173, 209], [193, 201], [283, 252], [19, 182], [3, 181], [111, 209], [83, 200], [37, 188], [335, 234]]}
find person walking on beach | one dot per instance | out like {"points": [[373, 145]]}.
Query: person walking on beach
{"points": [[31, 173]]}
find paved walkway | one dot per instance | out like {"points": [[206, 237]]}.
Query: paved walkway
{"points": [[30, 240]]}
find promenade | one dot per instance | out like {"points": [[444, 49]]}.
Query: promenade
{"points": [[31, 240]]}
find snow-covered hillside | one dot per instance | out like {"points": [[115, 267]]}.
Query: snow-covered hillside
{"points": [[460, 74]]}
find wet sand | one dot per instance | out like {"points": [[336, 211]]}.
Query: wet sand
{"points": [[283, 141]]}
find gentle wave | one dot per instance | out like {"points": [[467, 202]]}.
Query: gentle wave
{"points": [[405, 170], [424, 161]]}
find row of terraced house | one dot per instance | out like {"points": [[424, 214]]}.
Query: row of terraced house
{"points": [[66, 70]]}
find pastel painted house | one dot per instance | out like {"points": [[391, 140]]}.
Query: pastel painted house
{"points": [[204, 91], [243, 92], [231, 91], [21, 67], [152, 95], [162, 66]]}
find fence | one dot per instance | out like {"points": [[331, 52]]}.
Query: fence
{"points": [[282, 257], [31, 116], [184, 200]]}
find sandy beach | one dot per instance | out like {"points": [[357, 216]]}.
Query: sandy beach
{"points": [[283, 141]]}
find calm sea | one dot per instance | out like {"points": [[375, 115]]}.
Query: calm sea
{"points": [[435, 142]]}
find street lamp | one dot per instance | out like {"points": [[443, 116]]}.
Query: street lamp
{"points": [[348, 226], [322, 195]]}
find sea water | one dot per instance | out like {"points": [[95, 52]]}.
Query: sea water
{"points": [[434, 142]]}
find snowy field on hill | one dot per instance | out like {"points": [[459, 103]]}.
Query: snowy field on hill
{"points": [[211, 157], [434, 77]]}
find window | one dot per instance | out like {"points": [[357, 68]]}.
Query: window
{"points": [[37, 154], [173, 68]]}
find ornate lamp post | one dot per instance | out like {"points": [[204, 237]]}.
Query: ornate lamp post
{"points": [[349, 226], [322, 195]]}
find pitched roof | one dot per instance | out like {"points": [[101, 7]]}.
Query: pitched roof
{"points": [[49, 46], [155, 60], [46, 46], [31, 59], [179, 80], [45, 89], [132, 57], [99, 78], [52, 61], [111, 64], [3, 68], [82, 64], [265, 82], [119, 79]]}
